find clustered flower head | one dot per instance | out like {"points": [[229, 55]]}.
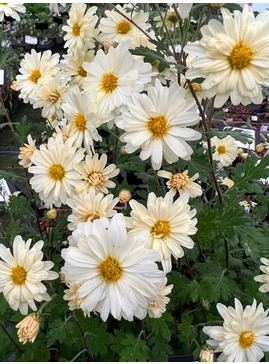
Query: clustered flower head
{"points": [[28, 328]]}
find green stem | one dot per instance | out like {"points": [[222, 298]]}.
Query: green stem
{"points": [[10, 338], [199, 25], [157, 182], [81, 352], [90, 358], [167, 31]]}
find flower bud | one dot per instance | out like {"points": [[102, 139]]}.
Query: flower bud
{"points": [[28, 328], [259, 148], [124, 196], [240, 151], [51, 214], [207, 354], [216, 5], [14, 85], [244, 155], [123, 150]]}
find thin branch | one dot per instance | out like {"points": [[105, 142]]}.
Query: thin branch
{"points": [[10, 338], [90, 357], [167, 31]]}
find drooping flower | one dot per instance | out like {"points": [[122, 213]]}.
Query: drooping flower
{"points": [[74, 301], [22, 274], [158, 123], [182, 183], [264, 278], [233, 57], [157, 308], [28, 328], [169, 223], [116, 272], [11, 9], [226, 150], [243, 336], [54, 170], [26, 152]]}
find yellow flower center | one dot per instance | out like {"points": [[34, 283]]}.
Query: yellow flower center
{"points": [[80, 122], [56, 172], [172, 18], [110, 270], [18, 275], [240, 56], [179, 180], [123, 27], [54, 96], [246, 339], [95, 178], [82, 72], [109, 82], [158, 126], [76, 29], [221, 149], [35, 76], [155, 63], [92, 217], [161, 229], [197, 86]]}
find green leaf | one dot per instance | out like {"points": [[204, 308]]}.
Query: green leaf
{"points": [[12, 230], [160, 326], [151, 56], [37, 351], [4, 308], [135, 349], [96, 336], [236, 134], [3, 125], [185, 328], [23, 130], [59, 330], [159, 349], [9, 175], [19, 205]]}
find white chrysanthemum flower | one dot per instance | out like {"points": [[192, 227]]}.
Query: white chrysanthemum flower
{"points": [[182, 183], [157, 123], [169, 223], [157, 308], [27, 152], [113, 77], [82, 127], [22, 274], [89, 207], [169, 74], [94, 173], [117, 28], [51, 94], [74, 301], [233, 57], [80, 29], [197, 87], [75, 68], [54, 173], [184, 9], [226, 150], [63, 128], [242, 338], [34, 67], [170, 19], [138, 39], [11, 9], [116, 272], [264, 278]]}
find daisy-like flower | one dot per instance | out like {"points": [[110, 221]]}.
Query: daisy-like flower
{"points": [[54, 173], [116, 272], [182, 183], [113, 77], [158, 122], [233, 57], [170, 19], [243, 336], [75, 68], [89, 207], [64, 129], [82, 127], [117, 28], [226, 150], [51, 94], [169, 223], [34, 67], [27, 152], [74, 301], [22, 274], [11, 9], [157, 308], [228, 182], [28, 328], [80, 29], [169, 74], [94, 173], [264, 278]]}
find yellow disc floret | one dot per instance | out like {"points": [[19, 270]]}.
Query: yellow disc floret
{"points": [[246, 339], [95, 178], [123, 27], [110, 270], [82, 72], [80, 122], [109, 82], [35, 76], [240, 56], [76, 29], [161, 229], [56, 172], [221, 149], [18, 275], [158, 126]]}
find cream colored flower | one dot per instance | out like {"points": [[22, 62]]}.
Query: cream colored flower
{"points": [[259, 148], [124, 196], [233, 57], [227, 182], [64, 129], [54, 170], [245, 204], [225, 150], [27, 152], [168, 74], [184, 9], [169, 223], [51, 214], [157, 308], [263, 278], [74, 301], [170, 19], [75, 68], [11, 9], [206, 354], [28, 328], [89, 207], [182, 183], [22, 274], [94, 173]]}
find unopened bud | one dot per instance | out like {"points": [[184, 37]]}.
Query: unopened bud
{"points": [[65, 242], [51, 214], [124, 196], [259, 148], [206, 354], [28, 328], [240, 151], [123, 150], [216, 5], [244, 155], [14, 85]]}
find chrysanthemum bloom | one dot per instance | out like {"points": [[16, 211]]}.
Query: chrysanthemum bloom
{"points": [[89, 207], [82, 127], [27, 152], [34, 67], [63, 129], [75, 68], [113, 77], [74, 301], [225, 152], [124, 196], [22, 274], [28, 328], [158, 122], [54, 173], [118, 29], [116, 272], [227, 182], [51, 94], [11, 9], [264, 278], [242, 338], [169, 223], [182, 183], [170, 19], [233, 57], [80, 29], [157, 308], [168, 74], [51, 214], [259, 148], [94, 173]]}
